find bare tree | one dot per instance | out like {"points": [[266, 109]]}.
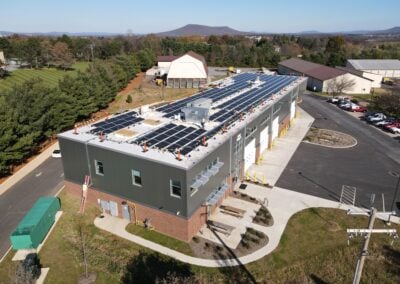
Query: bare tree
{"points": [[61, 55], [81, 239], [339, 84]]}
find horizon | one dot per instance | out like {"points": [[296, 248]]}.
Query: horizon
{"points": [[145, 18]]}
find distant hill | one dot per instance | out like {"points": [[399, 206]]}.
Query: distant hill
{"points": [[201, 30]]}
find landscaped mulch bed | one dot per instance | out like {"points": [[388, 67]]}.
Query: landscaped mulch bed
{"points": [[329, 138]]}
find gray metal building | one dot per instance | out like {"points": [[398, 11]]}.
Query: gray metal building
{"points": [[154, 166]]}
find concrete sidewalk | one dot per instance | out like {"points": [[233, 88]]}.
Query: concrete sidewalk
{"points": [[282, 204], [276, 159], [12, 180]]}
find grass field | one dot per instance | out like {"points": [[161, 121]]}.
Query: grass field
{"points": [[50, 76], [313, 249]]}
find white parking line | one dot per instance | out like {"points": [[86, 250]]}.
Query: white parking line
{"points": [[38, 174]]}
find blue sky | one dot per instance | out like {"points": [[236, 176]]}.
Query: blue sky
{"points": [[144, 16]]}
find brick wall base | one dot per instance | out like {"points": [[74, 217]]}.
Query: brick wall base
{"points": [[163, 222]]}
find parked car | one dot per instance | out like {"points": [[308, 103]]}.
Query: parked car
{"points": [[387, 121], [394, 127], [334, 100], [358, 108], [376, 117], [56, 153]]}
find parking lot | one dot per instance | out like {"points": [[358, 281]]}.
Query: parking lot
{"points": [[323, 171]]}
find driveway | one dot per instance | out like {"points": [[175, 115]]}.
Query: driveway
{"points": [[322, 172]]}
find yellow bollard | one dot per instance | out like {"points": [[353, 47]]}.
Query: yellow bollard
{"points": [[247, 175], [255, 177], [263, 179]]}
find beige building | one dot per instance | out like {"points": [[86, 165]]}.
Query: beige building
{"points": [[385, 67], [322, 78], [186, 71], [376, 78]]}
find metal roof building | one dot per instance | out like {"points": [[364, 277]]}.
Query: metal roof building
{"points": [[321, 77], [156, 164], [384, 67]]}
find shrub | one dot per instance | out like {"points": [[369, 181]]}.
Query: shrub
{"points": [[129, 99], [196, 239]]}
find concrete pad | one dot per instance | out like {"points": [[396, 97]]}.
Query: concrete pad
{"points": [[275, 160], [240, 224], [43, 275], [22, 253]]}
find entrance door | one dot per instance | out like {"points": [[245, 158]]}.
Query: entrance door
{"points": [[125, 212], [113, 208], [264, 139], [275, 128], [249, 154]]}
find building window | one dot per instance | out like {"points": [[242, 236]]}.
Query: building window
{"points": [[175, 188], [136, 177], [265, 120], [99, 167], [250, 130], [193, 191]]}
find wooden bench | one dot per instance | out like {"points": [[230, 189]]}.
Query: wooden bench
{"points": [[220, 227], [232, 210]]}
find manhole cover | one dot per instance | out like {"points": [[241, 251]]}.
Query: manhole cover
{"points": [[243, 186]]}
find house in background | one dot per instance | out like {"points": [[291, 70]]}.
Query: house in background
{"points": [[385, 67], [321, 77]]}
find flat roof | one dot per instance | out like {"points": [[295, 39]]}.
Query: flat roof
{"points": [[159, 133]]}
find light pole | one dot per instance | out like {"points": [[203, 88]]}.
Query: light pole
{"points": [[394, 174]]}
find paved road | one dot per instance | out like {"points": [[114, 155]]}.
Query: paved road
{"points": [[322, 171], [46, 179]]}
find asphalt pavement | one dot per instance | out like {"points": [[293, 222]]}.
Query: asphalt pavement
{"points": [[322, 171], [46, 179]]}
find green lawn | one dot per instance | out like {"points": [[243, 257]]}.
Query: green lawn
{"points": [[49, 75], [313, 249], [160, 239]]}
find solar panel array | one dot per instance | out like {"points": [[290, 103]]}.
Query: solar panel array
{"points": [[171, 137], [251, 98], [116, 123], [240, 82]]}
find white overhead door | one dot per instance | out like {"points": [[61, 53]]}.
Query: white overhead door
{"points": [[249, 154], [292, 110], [264, 139], [275, 128]]}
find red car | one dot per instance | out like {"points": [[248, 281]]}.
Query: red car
{"points": [[391, 127], [357, 108]]}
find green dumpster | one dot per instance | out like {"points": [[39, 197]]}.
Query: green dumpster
{"points": [[34, 227]]}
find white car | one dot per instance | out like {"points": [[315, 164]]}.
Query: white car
{"points": [[56, 153], [376, 117]]}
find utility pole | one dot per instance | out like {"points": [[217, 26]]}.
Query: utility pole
{"points": [[367, 234]]}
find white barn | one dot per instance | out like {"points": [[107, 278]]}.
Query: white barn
{"points": [[385, 67], [321, 77], [186, 71]]}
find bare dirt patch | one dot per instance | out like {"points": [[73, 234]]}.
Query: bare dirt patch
{"points": [[329, 138], [143, 92]]}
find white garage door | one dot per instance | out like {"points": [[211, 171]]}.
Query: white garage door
{"points": [[292, 110], [249, 154], [275, 128], [264, 139]]}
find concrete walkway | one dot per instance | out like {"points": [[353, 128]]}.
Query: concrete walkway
{"points": [[12, 180], [282, 204]]}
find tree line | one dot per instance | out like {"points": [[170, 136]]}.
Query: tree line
{"points": [[241, 51], [32, 112]]}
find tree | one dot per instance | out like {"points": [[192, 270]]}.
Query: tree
{"points": [[81, 241], [388, 104], [129, 99], [28, 270], [61, 55], [339, 84]]}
